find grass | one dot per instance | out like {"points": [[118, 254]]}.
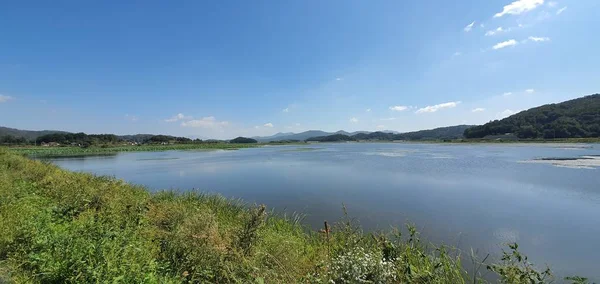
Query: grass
{"points": [[58, 226], [38, 151]]}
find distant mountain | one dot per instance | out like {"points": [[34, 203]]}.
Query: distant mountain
{"points": [[332, 138], [293, 136], [272, 137], [441, 133], [27, 134], [571, 119]]}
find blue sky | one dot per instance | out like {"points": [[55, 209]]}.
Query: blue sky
{"points": [[220, 69]]}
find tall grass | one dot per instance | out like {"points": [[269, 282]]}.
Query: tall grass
{"points": [[58, 226]]}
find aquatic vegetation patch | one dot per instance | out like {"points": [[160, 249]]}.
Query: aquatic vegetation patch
{"points": [[582, 162]]}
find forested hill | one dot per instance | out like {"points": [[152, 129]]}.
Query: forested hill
{"points": [[441, 133], [571, 119], [26, 134]]}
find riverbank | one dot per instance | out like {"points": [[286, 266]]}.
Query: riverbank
{"points": [[61, 226], [39, 151]]}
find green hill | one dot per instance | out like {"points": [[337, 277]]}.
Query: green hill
{"points": [[441, 133], [27, 134], [332, 138], [578, 118], [243, 140]]}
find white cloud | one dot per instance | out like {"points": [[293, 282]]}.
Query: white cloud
{"points": [[380, 126], [457, 54], [268, 125], [205, 122], [530, 91], [177, 117], [437, 107], [479, 109], [131, 117], [539, 39], [552, 4], [561, 10], [354, 120], [4, 98], [368, 110], [287, 109], [518, 7], [398, 108], [507, 94], [505, 113], [497, 31], [469, 27], [504, 44], [339, 79], [297, 124]]}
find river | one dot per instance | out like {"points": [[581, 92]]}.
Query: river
{"points": [[479, 196]]}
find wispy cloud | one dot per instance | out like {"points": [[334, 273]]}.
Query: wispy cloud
{"points": [[437, 107], [354, 120], [561, 10], [518, 7], [270, 125], [507, 94], [504, 44], [539, 39], [287, 109], [368, 110], [205, 122], [479, 109], [339, 79], [530, 91], [177, 117], [505, 113], [399, 108], [4, 98], [552, 4], [380, 127], [388, 118], [469, 27], [130, 117], [458, 53], [497, 31]]}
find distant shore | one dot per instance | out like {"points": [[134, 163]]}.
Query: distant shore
{"points": [[73, 151]]}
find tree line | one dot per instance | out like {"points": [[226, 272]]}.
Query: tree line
{"points": [[578, 118], [85, 140]]}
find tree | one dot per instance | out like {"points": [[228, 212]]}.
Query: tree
{"points": [[243, 140]]}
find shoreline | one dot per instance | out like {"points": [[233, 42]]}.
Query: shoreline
{"points": [[85, 228]]}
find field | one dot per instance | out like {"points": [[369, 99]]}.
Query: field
{"points": [[58, 226]]}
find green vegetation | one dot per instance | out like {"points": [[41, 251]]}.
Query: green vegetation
{"points": [[578, 118], [58, 226], [40, 151], [243, 140], [332, 138], [55, 138], [27, 134], [441, 133]]}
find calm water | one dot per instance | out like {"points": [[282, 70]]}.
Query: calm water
{"points": [[477, 196]]}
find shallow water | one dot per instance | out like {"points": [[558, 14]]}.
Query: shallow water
{"points": [[477, 196]]}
